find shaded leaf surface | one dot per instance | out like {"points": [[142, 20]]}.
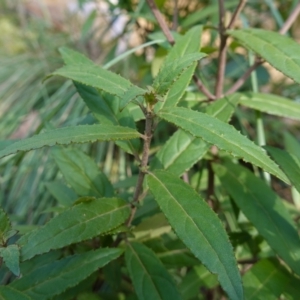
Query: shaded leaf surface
{"points": [[55, 277], [280, 51], [150, 278], [264, 209], [9, 293], [69, 135], [4, 225], [198, 227], [11, 255], [81, 222], [222, 135]]}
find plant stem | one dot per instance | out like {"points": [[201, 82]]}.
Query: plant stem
{"points": [[290, 20], [236, 13]]}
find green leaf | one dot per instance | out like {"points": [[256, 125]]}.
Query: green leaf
{"points": [[183, 150], [150, 278], [11, 258], [106, 110], [280, 51], [55, 277], [72, 57], [271, 104], [288, 163], [9, 293], [81, 222], [267, 279], [264, 209], [4, 226], [205, 236], [224, 136], [187, 44], [96, 77], [292, 145], [82, 173], [131, 94], [171, 70], [69, 135]]}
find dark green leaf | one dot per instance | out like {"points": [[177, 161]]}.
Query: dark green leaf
{"points": [[81, 222], [63, 194], [4, 226], [198, 227], [292, 145], [264, 209], [69, 135], [150, 279], [9, 293], [11, 258]]}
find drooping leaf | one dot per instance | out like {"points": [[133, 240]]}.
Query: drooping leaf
{"points": [[106, 110], [69, 135], [11, 255], [150, 278], [267, 279], [198, 227], [264, 209], [81, 222], [54, 278], [96, 77], [271, 104], [288, 163], [9, 293], [72, 57], [224, 136], [4, 226], [183, 150], [170, 71], [82, 173], [280, 51]]}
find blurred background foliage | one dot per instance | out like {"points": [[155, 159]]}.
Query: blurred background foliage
{"points": [[31, 33]]}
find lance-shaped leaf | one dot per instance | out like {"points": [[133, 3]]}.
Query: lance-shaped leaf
{"points": [[292, 145], [150, 278], [170, 71], [106, 109], [4, 226], [83, 221], [54, 278], [187, 44], [183, 150], [267, 279], [11, 255], [198, 227], [82, 173], [264, 209], [9, 293], [271, 104], [280, 51], [72, 57], [96, 77], [288, 163], [71, 135], [224, 136]]}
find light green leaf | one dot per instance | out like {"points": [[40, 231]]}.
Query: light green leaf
{"points": [[171, 70], [82, 173], [54, 278], [264, 209], [106, 110], [96, 77], [288, 163], [150, 278], [224, 136], [280, 51], [183, 150], [69, 135], [9, 293], [72, 57], [4, 226], [271, 104], [198, 227], [11, 255], [267, 279], [81, 222]]}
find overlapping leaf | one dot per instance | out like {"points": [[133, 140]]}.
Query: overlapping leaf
{"points": [[4, 225], [83, 221], [222, 135], [198, 227], [10, 256], [150, 278], [271, 104], [54, 278], [280, 51], [69, 135], [264, 209], [9, 293]]}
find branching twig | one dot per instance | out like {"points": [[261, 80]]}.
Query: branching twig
{"points": [[290, 20], [236, 13]]}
